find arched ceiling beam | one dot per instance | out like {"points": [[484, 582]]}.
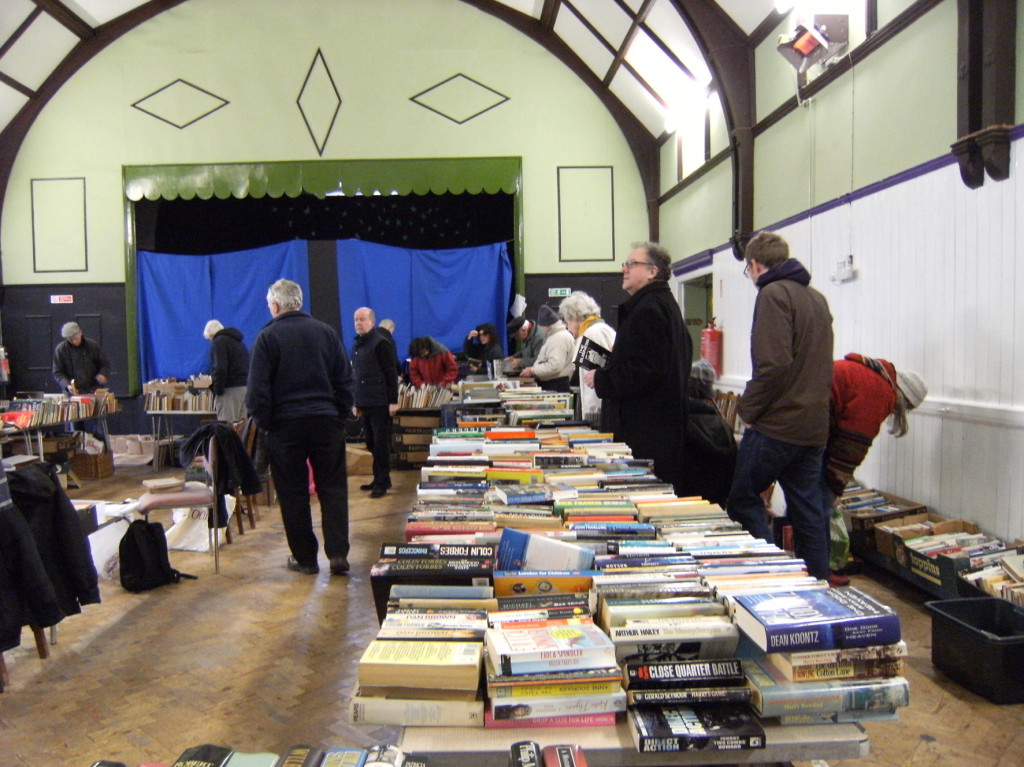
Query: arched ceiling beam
{"points": [[730, 56], [643, 145]]}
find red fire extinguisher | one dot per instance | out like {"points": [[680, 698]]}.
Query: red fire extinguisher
{"points": [[711, 346]]}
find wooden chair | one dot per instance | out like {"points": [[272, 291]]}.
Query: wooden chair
{"points": [[245, 504], [194, 495]]}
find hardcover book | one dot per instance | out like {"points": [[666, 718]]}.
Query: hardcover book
{"points": [[709, 637], [264, 759], [689, 696], [686, 728], [569, 682], [524, 650], [774, 695], [536, 492], [541, 583], [816, 619]]}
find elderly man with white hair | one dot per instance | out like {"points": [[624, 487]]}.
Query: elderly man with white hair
{"points": [[79, 364]]}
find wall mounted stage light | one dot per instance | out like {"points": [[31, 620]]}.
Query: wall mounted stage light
{"points": [[815, 40]]}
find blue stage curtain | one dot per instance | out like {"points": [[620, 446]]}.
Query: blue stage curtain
{"points": [[178, 295], [439, 293]]}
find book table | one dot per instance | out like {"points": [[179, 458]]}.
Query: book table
{"points": [[613, 746]]}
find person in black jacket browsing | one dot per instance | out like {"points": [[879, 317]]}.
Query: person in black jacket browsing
{"points": [[376, 396], [229, 369]]}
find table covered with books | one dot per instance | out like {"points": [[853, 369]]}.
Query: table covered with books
{"points": [[551, 590]]}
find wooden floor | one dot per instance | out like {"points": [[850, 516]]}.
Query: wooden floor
{"points": [[260, 658]]}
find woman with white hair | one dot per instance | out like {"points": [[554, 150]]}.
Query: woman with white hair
{"points": [[229, 369], [582, 316]]}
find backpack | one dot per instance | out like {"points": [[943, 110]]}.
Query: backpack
{"points": [[144, 561]]}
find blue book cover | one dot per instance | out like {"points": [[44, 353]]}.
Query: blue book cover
{"points": [[518, 550], [818, 619]]}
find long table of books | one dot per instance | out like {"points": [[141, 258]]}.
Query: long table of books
{"points": [[550, 590]]}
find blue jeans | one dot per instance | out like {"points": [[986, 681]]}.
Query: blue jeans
{"points": [[797, 468], [322, 441]]}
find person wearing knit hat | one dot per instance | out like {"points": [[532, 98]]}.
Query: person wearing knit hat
{"points": [[531, 338], [555, 362], [865, 392], [79, 364]]}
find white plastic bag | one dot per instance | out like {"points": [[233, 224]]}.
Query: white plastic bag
{"points": [[190, 531]]}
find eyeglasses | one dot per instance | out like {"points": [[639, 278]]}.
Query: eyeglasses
{"points": [[746, 269], [631, 263]]}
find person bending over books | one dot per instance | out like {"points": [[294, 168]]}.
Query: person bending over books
{"points": [[531, 338], [79, 364], [582, 317], [554, 366], [865, 392], [431, 363]]}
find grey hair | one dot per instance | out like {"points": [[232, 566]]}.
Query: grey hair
{"points": [[659, 257], [387, 324], [577, 306], [286, 294], [213, 327]]}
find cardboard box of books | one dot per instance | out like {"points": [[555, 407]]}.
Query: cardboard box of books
{"points": [[910, 526], [861, 521], [919, 554]]}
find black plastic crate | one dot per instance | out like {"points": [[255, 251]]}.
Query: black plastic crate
{"points": [[979, 643]]}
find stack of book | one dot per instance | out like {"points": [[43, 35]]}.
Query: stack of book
{"points": [[429, 564], [552, 667], [690, 705], [857, 651], [422, 669]]}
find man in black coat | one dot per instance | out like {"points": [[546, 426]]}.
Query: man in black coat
{"points": [[376, 395], [79, 364], [299, 391], [643, 386]]}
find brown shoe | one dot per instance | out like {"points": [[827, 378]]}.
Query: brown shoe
{"points": [[339, 565], [293, 564]]}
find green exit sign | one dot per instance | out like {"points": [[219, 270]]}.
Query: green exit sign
{"points": [[559, 292]]}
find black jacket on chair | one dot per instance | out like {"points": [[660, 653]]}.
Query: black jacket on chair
{"points": [[58, 534], [234, 469]]}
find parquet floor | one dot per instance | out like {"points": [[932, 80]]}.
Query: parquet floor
{"points": [[260, 658]]}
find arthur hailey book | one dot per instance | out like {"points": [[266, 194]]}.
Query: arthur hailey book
{"points": [[591, 354]]}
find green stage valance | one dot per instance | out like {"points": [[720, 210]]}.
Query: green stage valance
{"points": [[471, 175]]}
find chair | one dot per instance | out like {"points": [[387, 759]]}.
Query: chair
{"points": [[194, 495]]}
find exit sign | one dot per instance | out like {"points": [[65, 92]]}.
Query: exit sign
{"points": [[559, 292], [63, 299]]}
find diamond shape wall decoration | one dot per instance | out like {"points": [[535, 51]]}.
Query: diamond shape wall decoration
{"points": [[319, 102], [180, 104], [459, 98]]}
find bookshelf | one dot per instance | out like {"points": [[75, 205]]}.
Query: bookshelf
{"points": [[613, 746]]}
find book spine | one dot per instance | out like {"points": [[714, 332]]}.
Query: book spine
{"points": [[555, 689], [578, 720], [525, 753], [865, 669], [564, 756], [657, 676], [874, 630], [648, 744], [416, 713], [559, 706], [690, 695]]}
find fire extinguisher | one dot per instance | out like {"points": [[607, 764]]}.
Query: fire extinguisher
{"points": [[711, 346]]}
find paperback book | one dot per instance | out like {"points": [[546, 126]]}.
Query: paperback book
{"points": [[526, 648], [695, 728], [545, 706]]}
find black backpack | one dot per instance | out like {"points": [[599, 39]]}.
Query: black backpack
{"points": [[144, 561]]}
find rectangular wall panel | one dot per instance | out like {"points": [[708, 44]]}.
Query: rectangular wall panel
{"points": [[586, 214], [58, 225]]}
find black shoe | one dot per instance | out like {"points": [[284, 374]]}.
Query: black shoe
{"points": [[378, 492], [339, 565], [293, 564], [367, 486]]}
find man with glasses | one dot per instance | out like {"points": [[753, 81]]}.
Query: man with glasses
{"points": [[785, 405], [643, 386]]}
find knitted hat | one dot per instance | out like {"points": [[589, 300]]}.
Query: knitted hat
{"points": [[70, 330], [515, 325], [912, 387], [703, 371], [547, 316]]}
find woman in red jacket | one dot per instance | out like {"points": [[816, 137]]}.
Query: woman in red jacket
{"points": [[865, 391], [430, 362]]}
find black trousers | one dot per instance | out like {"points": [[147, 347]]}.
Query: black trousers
{"points": [[377, 428], [321, 441]]}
